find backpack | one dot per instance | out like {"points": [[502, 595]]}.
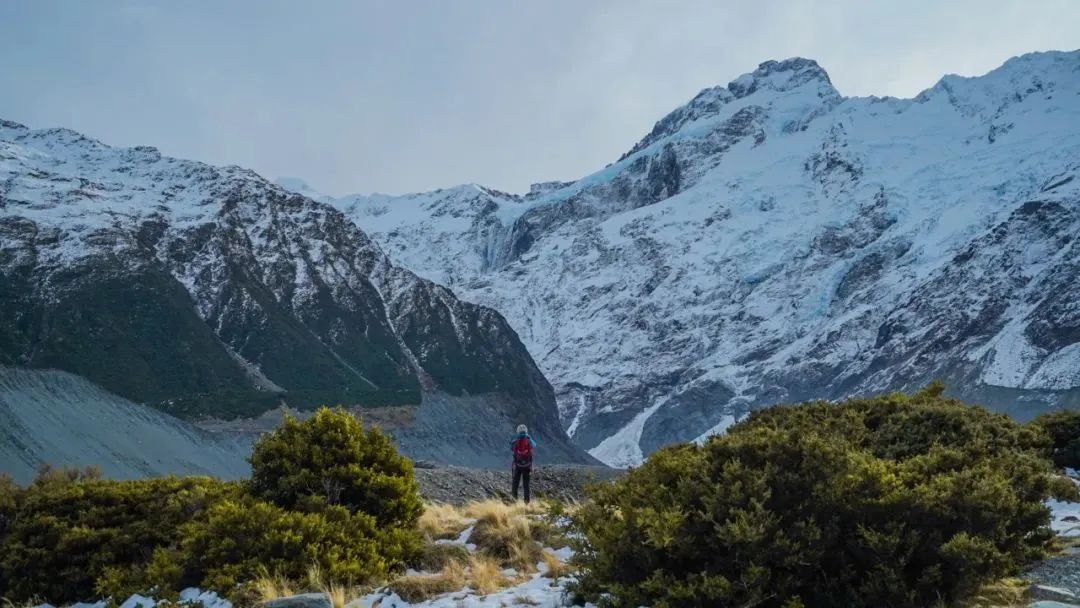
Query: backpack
{"points": [[523, 453]]}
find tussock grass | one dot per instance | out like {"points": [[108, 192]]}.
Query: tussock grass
{"points": [[337, 594], [435, 557], [273, 586], [418, 588], [497, 508], [554, 568], [510, 533], [524, 555], [498, 532], [514, 534], [485, 574], [269, 586], [442, 521], [505, 535], [1006, 593]]}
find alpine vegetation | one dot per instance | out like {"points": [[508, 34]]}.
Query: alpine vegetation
{"points": [[339, 498], [897, 500]]}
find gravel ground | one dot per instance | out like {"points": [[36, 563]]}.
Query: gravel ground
{"points": [[1062, 571], [457, 485]]}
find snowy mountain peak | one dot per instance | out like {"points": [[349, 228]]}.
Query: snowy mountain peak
{"points": [[212, 294], [780, 76], [1018, 78], [299, 186], [764, 86], [772, 241]]}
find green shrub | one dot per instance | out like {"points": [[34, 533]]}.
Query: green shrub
{"points": [[893, 501], [331, 457], [239, 539], [68, 531], [898, 426], [325, 493], [1063, 427]]}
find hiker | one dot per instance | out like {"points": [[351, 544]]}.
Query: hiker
{"points": [[522, 445]]}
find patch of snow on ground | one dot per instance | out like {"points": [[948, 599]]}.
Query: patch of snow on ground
{"points": [[1061, 510], [538, 591], [462, 539], [139, 601]]}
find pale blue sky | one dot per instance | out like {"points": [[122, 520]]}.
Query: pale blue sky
{"points": [[412, 95]]}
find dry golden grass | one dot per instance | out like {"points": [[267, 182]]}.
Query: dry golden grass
{"points": [[506, 535], [418, 588], [554, 568], [496, 508], [571, 507], [497, 534], [271, 586], [339, 594], [442, 521], [512, 534], [267, 586], [1006, 593], [524, 555], [486, 575]]}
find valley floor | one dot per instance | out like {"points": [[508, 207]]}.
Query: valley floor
{"points": [[459, 485]]}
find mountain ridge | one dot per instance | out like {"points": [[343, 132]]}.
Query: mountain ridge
{"points": [[774, 241], [209, 292]]}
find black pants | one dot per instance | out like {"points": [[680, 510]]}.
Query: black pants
{"points": [[519, 476]]}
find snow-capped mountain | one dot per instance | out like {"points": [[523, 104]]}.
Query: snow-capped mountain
{"points": [[213, 294], [775, 241]]}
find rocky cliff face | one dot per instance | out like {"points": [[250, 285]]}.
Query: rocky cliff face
{"points": [[210, 293], [775, 241]]}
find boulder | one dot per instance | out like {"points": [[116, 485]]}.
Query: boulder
{"points": [[304, 600], [1051, 594]]}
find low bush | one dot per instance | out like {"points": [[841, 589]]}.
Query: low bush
{"points": [[331, 457], [902, 501], [67, 532], [420, 587], [1063, 427], [347, 505], [239, 539]]}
